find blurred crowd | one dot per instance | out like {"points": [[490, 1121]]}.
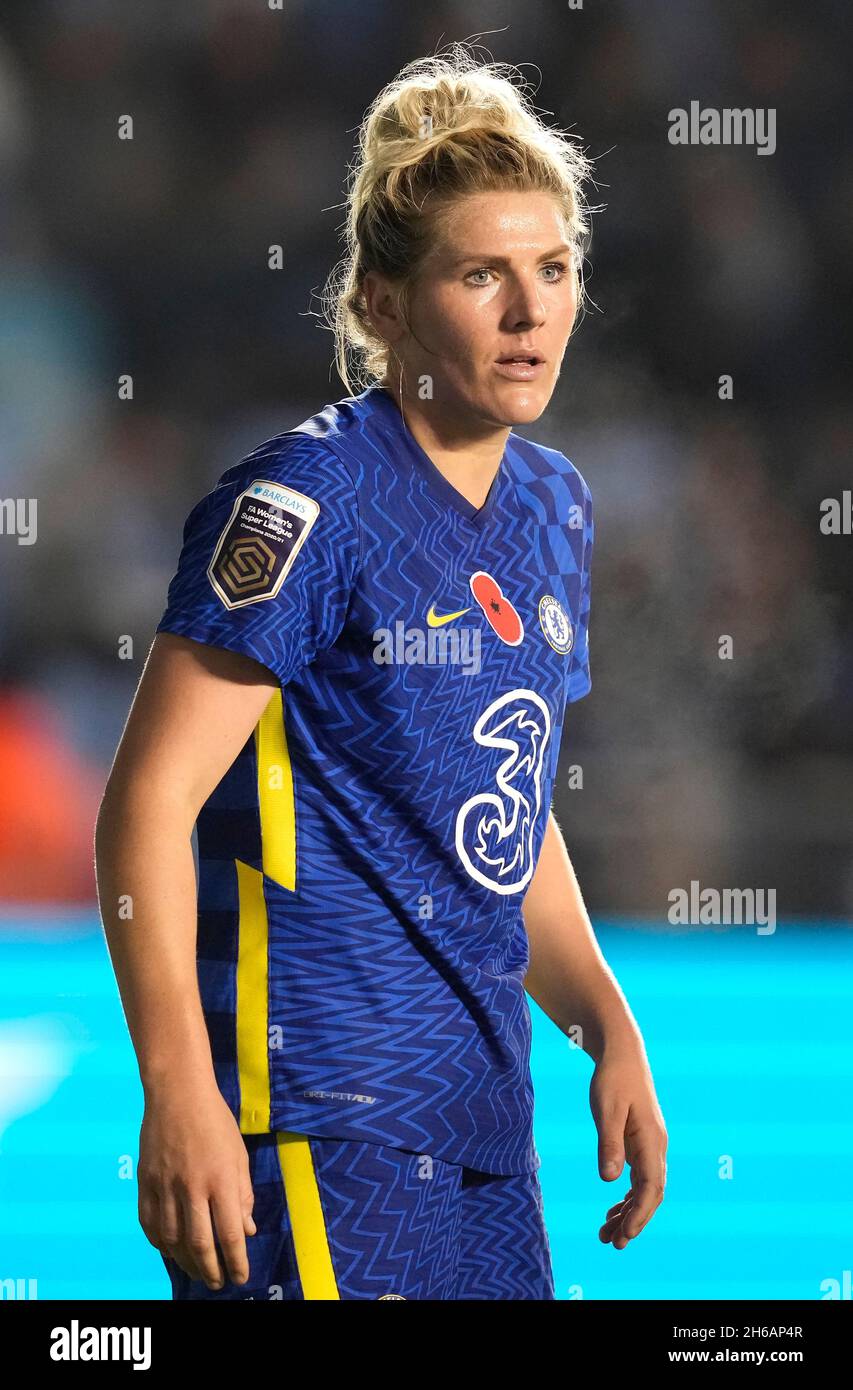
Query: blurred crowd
{"points": [[148, 258]]}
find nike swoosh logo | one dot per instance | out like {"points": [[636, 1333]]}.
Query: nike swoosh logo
{"points": [[434, 620]]}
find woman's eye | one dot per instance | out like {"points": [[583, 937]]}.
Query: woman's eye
{"points": [[559, 266]]}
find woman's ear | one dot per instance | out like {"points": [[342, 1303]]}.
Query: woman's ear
{"points": [[382, 304]]}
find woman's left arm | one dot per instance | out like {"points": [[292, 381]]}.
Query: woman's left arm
{"points": [[571, 981]]}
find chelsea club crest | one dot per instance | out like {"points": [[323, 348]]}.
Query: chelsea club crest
{"points": [[554, 622]]}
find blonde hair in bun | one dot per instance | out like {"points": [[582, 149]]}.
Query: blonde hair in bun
{"points": [[447, 126]]}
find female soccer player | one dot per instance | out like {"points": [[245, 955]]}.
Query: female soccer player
{"points": [[356, 692]]}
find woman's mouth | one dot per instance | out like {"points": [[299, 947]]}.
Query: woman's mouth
{"points": [[521, 366]]}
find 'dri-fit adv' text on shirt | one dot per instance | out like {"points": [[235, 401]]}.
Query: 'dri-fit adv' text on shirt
{"points": [[362, 864]]}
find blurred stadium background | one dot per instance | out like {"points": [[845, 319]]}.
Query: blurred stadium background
{"points": [[149, 257]]}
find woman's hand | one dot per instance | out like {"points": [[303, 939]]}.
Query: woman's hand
{"points": [[194, 1183], [630, 1125]]}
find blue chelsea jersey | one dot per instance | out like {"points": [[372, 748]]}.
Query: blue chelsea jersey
{"points": [[361, 948]]}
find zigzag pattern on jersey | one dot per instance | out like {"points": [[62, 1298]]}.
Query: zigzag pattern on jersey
{"points": [[313, 589], [424, 976], [392, 985]]}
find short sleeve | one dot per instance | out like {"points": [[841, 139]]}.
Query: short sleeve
{"points": [[269, 557], [580, 682]]}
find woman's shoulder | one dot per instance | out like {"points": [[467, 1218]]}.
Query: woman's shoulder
{"points": [[296, 455], [546, 462]]}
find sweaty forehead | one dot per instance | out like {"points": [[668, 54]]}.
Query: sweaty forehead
{"points": [[491, 225]]}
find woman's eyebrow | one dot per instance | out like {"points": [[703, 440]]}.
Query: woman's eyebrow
{"points": [[507, 260]]}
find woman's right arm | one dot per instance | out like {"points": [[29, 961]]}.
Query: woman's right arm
{"points": [[195, 707]]}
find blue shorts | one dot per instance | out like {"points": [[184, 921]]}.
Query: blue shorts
{"points": [[341, 1218]]}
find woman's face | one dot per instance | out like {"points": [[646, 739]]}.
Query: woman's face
{"points": [[500, 281]]}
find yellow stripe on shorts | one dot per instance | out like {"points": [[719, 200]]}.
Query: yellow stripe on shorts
{"points": [[307, 1223]]}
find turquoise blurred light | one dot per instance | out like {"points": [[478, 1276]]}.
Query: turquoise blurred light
{"points": [[750, 1050]]}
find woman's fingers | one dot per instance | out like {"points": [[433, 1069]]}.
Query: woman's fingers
{"points": [[198, 1243]]}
